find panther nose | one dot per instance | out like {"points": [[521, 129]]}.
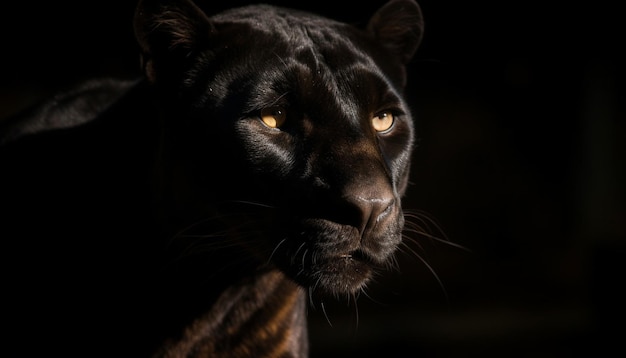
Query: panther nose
{"points": [[369, 211]]}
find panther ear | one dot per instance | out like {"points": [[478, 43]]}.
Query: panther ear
{"points": [[399, 26], [167, 33]]}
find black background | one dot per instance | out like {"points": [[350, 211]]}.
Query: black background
{"points": [[520, 111]]}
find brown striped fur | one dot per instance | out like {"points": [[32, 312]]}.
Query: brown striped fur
{"points": [[263, 316]]}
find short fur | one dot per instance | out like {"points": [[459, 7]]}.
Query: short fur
{"points": [[163, 217]]}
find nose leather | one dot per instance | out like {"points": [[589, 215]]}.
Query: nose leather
{"points": [[370, 210]]}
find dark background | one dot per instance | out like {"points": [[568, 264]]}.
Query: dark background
{"points": [[520, 111]]}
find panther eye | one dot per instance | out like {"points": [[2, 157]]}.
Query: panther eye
{"points": [[273, 117], [382, 122]]}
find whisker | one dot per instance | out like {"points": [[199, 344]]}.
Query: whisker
{"points": [[293, 257], [325, 314], [392, 264], [215, 218], [269, 260], [303, 257], [223, 218], [356, 313], [310, 292], [221, 239], [364, 292], [253, 203], [438, 239], [431, 269], [425, 218], [425, 228]]}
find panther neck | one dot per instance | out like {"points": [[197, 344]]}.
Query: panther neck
{"points": [[264, 314]]}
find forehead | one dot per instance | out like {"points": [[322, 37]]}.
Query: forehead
{"points": [[265, 52], [282, 32]]}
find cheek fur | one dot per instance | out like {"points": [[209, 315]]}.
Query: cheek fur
{"points": [[265, 148]]}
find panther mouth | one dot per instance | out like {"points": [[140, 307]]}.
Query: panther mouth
{"points": [[360, 256], [348, 272], [329, 258]]}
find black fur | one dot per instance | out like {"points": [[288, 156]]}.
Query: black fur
{"points": [[132, 205]]}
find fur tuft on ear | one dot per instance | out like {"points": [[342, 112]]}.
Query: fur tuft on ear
{"points": [[399, 26], [167, 32]]}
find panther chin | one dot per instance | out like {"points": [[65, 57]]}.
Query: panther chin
{"points": [[328, 258], [345, 274], [334, 275]]}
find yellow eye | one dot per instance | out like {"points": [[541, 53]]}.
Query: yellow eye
{"points": [[382, 122], [273, 117]]}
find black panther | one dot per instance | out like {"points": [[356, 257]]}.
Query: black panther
{"points": [[257, 165]]}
